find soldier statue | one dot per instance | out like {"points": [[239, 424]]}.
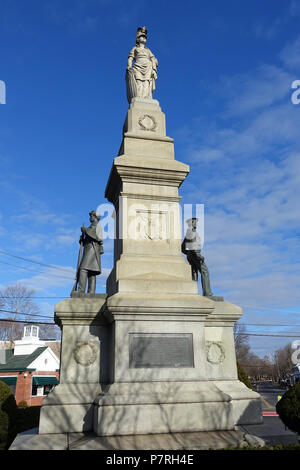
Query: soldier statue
{"points": [[191, 247], [89, 263]]}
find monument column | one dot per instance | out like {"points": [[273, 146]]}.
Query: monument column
{"points": [[143, 186]]}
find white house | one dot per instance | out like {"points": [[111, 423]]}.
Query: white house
{"points": [[31, 369]]}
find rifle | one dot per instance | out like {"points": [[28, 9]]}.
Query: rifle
{"points": [[78, 265]]}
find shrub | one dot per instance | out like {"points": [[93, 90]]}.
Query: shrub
{"points": [[8, 410], [13, 419], [288, 408], [22, 404], [28, 418], [274, 447], [242, 376]]}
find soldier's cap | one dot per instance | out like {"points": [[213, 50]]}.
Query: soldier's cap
{"points": [[95, 213], [189, 221]]}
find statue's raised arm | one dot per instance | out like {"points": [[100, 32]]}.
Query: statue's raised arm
{"points": [[141, 76]]}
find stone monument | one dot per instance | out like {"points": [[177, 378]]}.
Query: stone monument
{"points": [[151, 355]]}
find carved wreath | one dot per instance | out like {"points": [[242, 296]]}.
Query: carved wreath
{"points": [[145, 125], [215, 352], [85, 353]]}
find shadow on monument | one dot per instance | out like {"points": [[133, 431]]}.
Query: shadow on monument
{"points": [[96, 406], [125, 415]]}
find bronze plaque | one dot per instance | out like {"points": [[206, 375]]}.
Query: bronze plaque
{"points": [[148, 350]]}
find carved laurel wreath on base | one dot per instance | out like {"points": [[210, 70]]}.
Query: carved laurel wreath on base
{"points": [[85, 353], [215, 352], [147, 123]]}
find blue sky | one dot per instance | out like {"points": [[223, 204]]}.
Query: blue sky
{"points": [[224, 83]]}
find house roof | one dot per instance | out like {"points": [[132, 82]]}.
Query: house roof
{"points": [[21, 362]]}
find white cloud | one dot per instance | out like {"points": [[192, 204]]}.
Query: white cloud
{"points": [[274, 290], [42, 216], [267, 85], [65, 239], [51, 278], [261, 31], [247, 173], [290, 55], [294, 9]]}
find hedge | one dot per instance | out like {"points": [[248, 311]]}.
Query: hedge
{"points": [[8, 412], [242, 376], [288, 408], [14, 420]]}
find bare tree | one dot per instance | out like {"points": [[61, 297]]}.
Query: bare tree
{"points": [[241, 340], [254, 366], [16, 303], [283, 361], [50, 332], [5, 326]]}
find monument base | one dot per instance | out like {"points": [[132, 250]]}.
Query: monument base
{"points": [[139, 365], [86, 295], [210, 440], [149, 408]]}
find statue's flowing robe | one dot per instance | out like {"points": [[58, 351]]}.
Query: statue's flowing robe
{"points": [[92, 248], [143, 70], [144, 62]]}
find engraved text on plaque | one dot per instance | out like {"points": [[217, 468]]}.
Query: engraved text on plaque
{"points": [[147, 350]]}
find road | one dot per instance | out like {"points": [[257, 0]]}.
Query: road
{"points": [[272, 430], [269, 393]]}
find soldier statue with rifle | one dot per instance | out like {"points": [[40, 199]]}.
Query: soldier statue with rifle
{"points": [[89, 263], [191, 247]]}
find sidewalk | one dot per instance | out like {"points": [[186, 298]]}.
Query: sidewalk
{"points": [[272, 431]]}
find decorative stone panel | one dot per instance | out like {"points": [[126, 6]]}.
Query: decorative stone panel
{"points": [[215, 352], [85, 352]]}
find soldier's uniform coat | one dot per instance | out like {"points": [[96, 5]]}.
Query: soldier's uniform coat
{"points": [[92, 248]]}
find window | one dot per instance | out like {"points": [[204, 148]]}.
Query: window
{"points": [[43, 385], [27, 330], [47, 389], [34, 331], [37, 391], [11, 382]]}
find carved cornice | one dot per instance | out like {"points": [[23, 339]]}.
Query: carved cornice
{"points": [[163, 173]]}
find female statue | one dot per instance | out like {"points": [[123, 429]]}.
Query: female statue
{"points": [[140, 78]]}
